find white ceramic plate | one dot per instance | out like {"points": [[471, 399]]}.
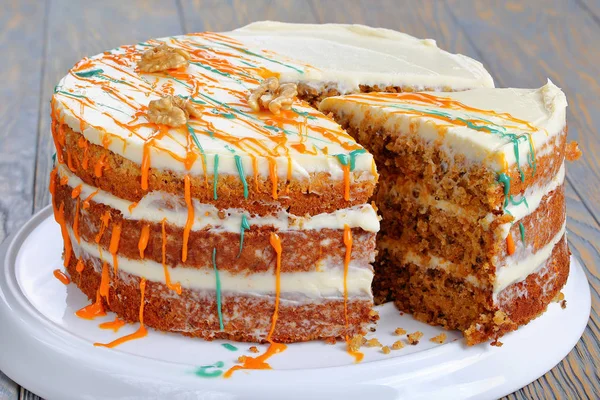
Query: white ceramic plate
{"points": [[47, 349]]}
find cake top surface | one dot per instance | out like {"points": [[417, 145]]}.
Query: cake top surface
{"points": [[483, 124], [346, 56], [106, 98]]}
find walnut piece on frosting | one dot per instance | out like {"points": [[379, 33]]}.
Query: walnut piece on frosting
{"points": [[162, 58], [171, 110], [273, 96]]}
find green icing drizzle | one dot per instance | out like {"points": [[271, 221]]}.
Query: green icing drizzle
{"points": [[218, 288], [68, 94], [350, 158], [522, 229], [303, 113], [245, 225], [229, 346], [505, 180], [240, 168], [90, 73], [210, 371], [216, 177]]}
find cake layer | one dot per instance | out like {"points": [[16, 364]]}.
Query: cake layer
{"points": [[436, 297], [318, 193], [443, 172], [244, 317], [476, 245], [345, 57], [156, 206], [322, 248], [300, 286]]}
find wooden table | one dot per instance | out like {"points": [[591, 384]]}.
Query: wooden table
{"points": [[520, 44]]}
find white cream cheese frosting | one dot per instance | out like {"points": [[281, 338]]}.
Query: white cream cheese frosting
{"points": [[346, 56]]}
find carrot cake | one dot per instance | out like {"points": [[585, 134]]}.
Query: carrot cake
{"points": [[472, 199], [199, 192]]}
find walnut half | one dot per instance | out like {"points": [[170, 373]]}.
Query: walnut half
{"points": [[270, 94], [162, 58], [171, 110]]}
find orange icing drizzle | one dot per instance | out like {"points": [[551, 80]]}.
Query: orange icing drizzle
{"points": [[358, 356], [176, 287], [144, 236], [103, 225], [346, 169], [132, 206], [259, 362], [79, 267], [141, 332], [76, 222], [64, 279], [100, 165], [115, 325], [86, 201], [510, 244], [113, 248], [64, 180], [273, 175], [104, 282], [60, 218], [83, 144], [76, 192], [190, 218], [70, 162], [94, 310]]}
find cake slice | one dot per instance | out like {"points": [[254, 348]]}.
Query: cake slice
{"points": [[472, 199]]}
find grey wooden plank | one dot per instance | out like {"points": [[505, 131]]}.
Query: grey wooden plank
{"points": [[21, 41], [219, 16], [98, 26], [21, 45]]}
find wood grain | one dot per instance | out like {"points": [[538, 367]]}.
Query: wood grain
{"points": [[520, 44], [21, 42]]}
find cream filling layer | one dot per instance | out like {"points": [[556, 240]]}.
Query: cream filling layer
{"points": [[516, 269], [155, 206], [327, 283]]}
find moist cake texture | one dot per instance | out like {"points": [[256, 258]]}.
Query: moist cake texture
{"points": [[472, 199]]}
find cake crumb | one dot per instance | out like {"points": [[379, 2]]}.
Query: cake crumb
{"points": [[559, 297], [563, 304], [441, 338], [496, 343], [374, 343], [374, 314], [242, 359], [400, 331], [330, 340], [253, 349], [500, 318], [355, 343], [572, 152], [397, 345], [385, 350], [413, 338]]}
